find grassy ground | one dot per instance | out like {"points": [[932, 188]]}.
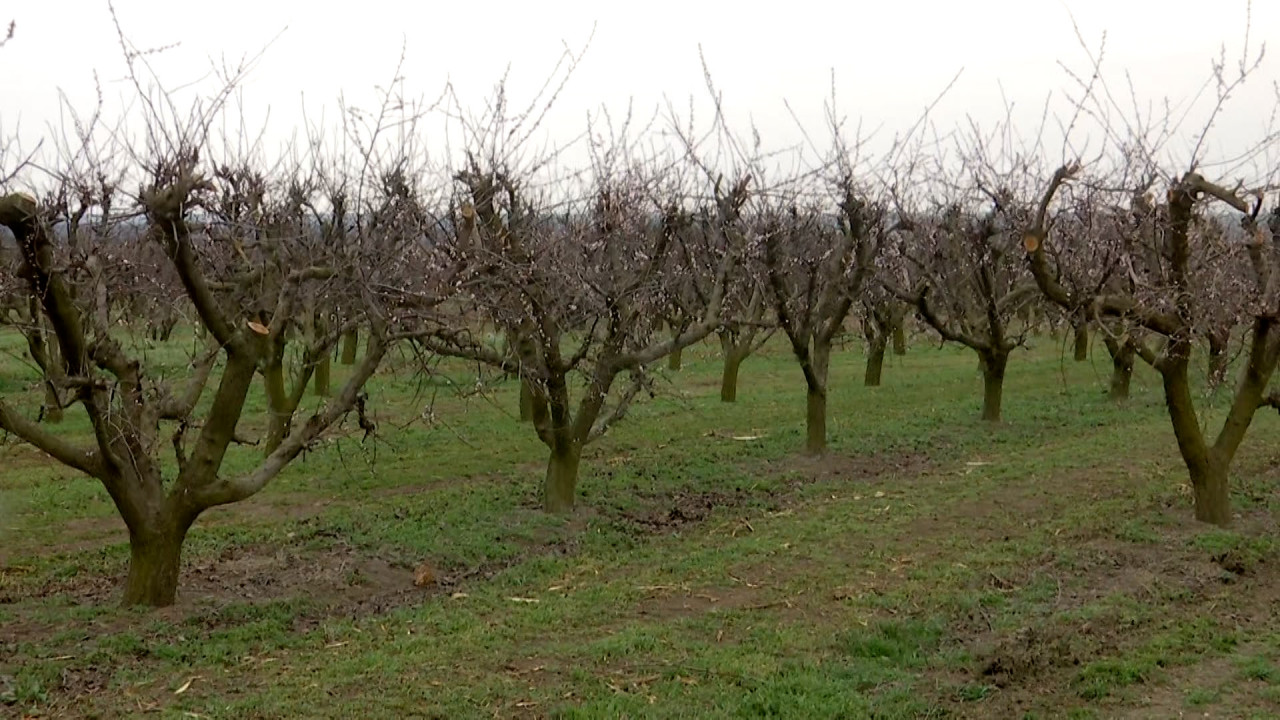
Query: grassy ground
{"points": [[928, 567]]}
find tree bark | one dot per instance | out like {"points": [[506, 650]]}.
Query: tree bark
{"points": [[1209, 486], [155, 558], [49, 357], [1123, 355], [816, 422], [323, 364], [526, 401], [993, 367], [321, 385], [1081, 341], [1208, 474], [676, 359], [875, 362], [278, 411], [562, 478], [899, 337], [1218, 358], [350, 346], [729, 377], [52, 404], [816, 405]]}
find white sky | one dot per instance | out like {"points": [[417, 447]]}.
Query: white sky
{"points": [[890, 58]]}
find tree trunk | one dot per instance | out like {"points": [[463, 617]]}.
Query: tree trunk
{"points": [[278, 412], [875, 361], [562, 478], [321, 383], [1122, 360], [816, 422], [729, 377], [155, 558], [323, 364], [1208, 474], [993, 366], [526, 401], [899, 337], [52, 404], [350, 346], [165, 331], [1082, 341], [1218, 357], [675, 359], [1212, 493], [816, 407]]}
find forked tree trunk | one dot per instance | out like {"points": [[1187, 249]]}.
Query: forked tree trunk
{"points": [[350, 346], [526, 401], [164, 325], [875, 361], [1081, 341], [1208, 473], [993, 367], [155, 559], [562, 478], [729, 377]]}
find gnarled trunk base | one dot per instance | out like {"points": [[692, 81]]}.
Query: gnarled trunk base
{"points": [[875, 363], [993, 367], [155, 559], [729, 377], [1081, 342], [562, 479], [1212, 495], [816, 422]]}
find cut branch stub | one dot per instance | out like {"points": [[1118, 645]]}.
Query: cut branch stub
{"points": [[1032, 241]]}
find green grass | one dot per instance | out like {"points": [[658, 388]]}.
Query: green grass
{"points": [[930, 566]]}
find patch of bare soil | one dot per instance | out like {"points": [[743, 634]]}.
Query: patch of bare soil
{"points": [[1033, 666], [667, 602], [672, 511], [837, 467]]}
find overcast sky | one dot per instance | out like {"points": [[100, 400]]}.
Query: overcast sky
{"points": [[889, 58]]}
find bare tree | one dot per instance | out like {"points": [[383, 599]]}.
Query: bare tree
{"points": [[1101, 256], [1172, 309], [233, 244], [576, 293], [747, 326], [1191, 271], [970, 284], [816, 269], [883, 319]]}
